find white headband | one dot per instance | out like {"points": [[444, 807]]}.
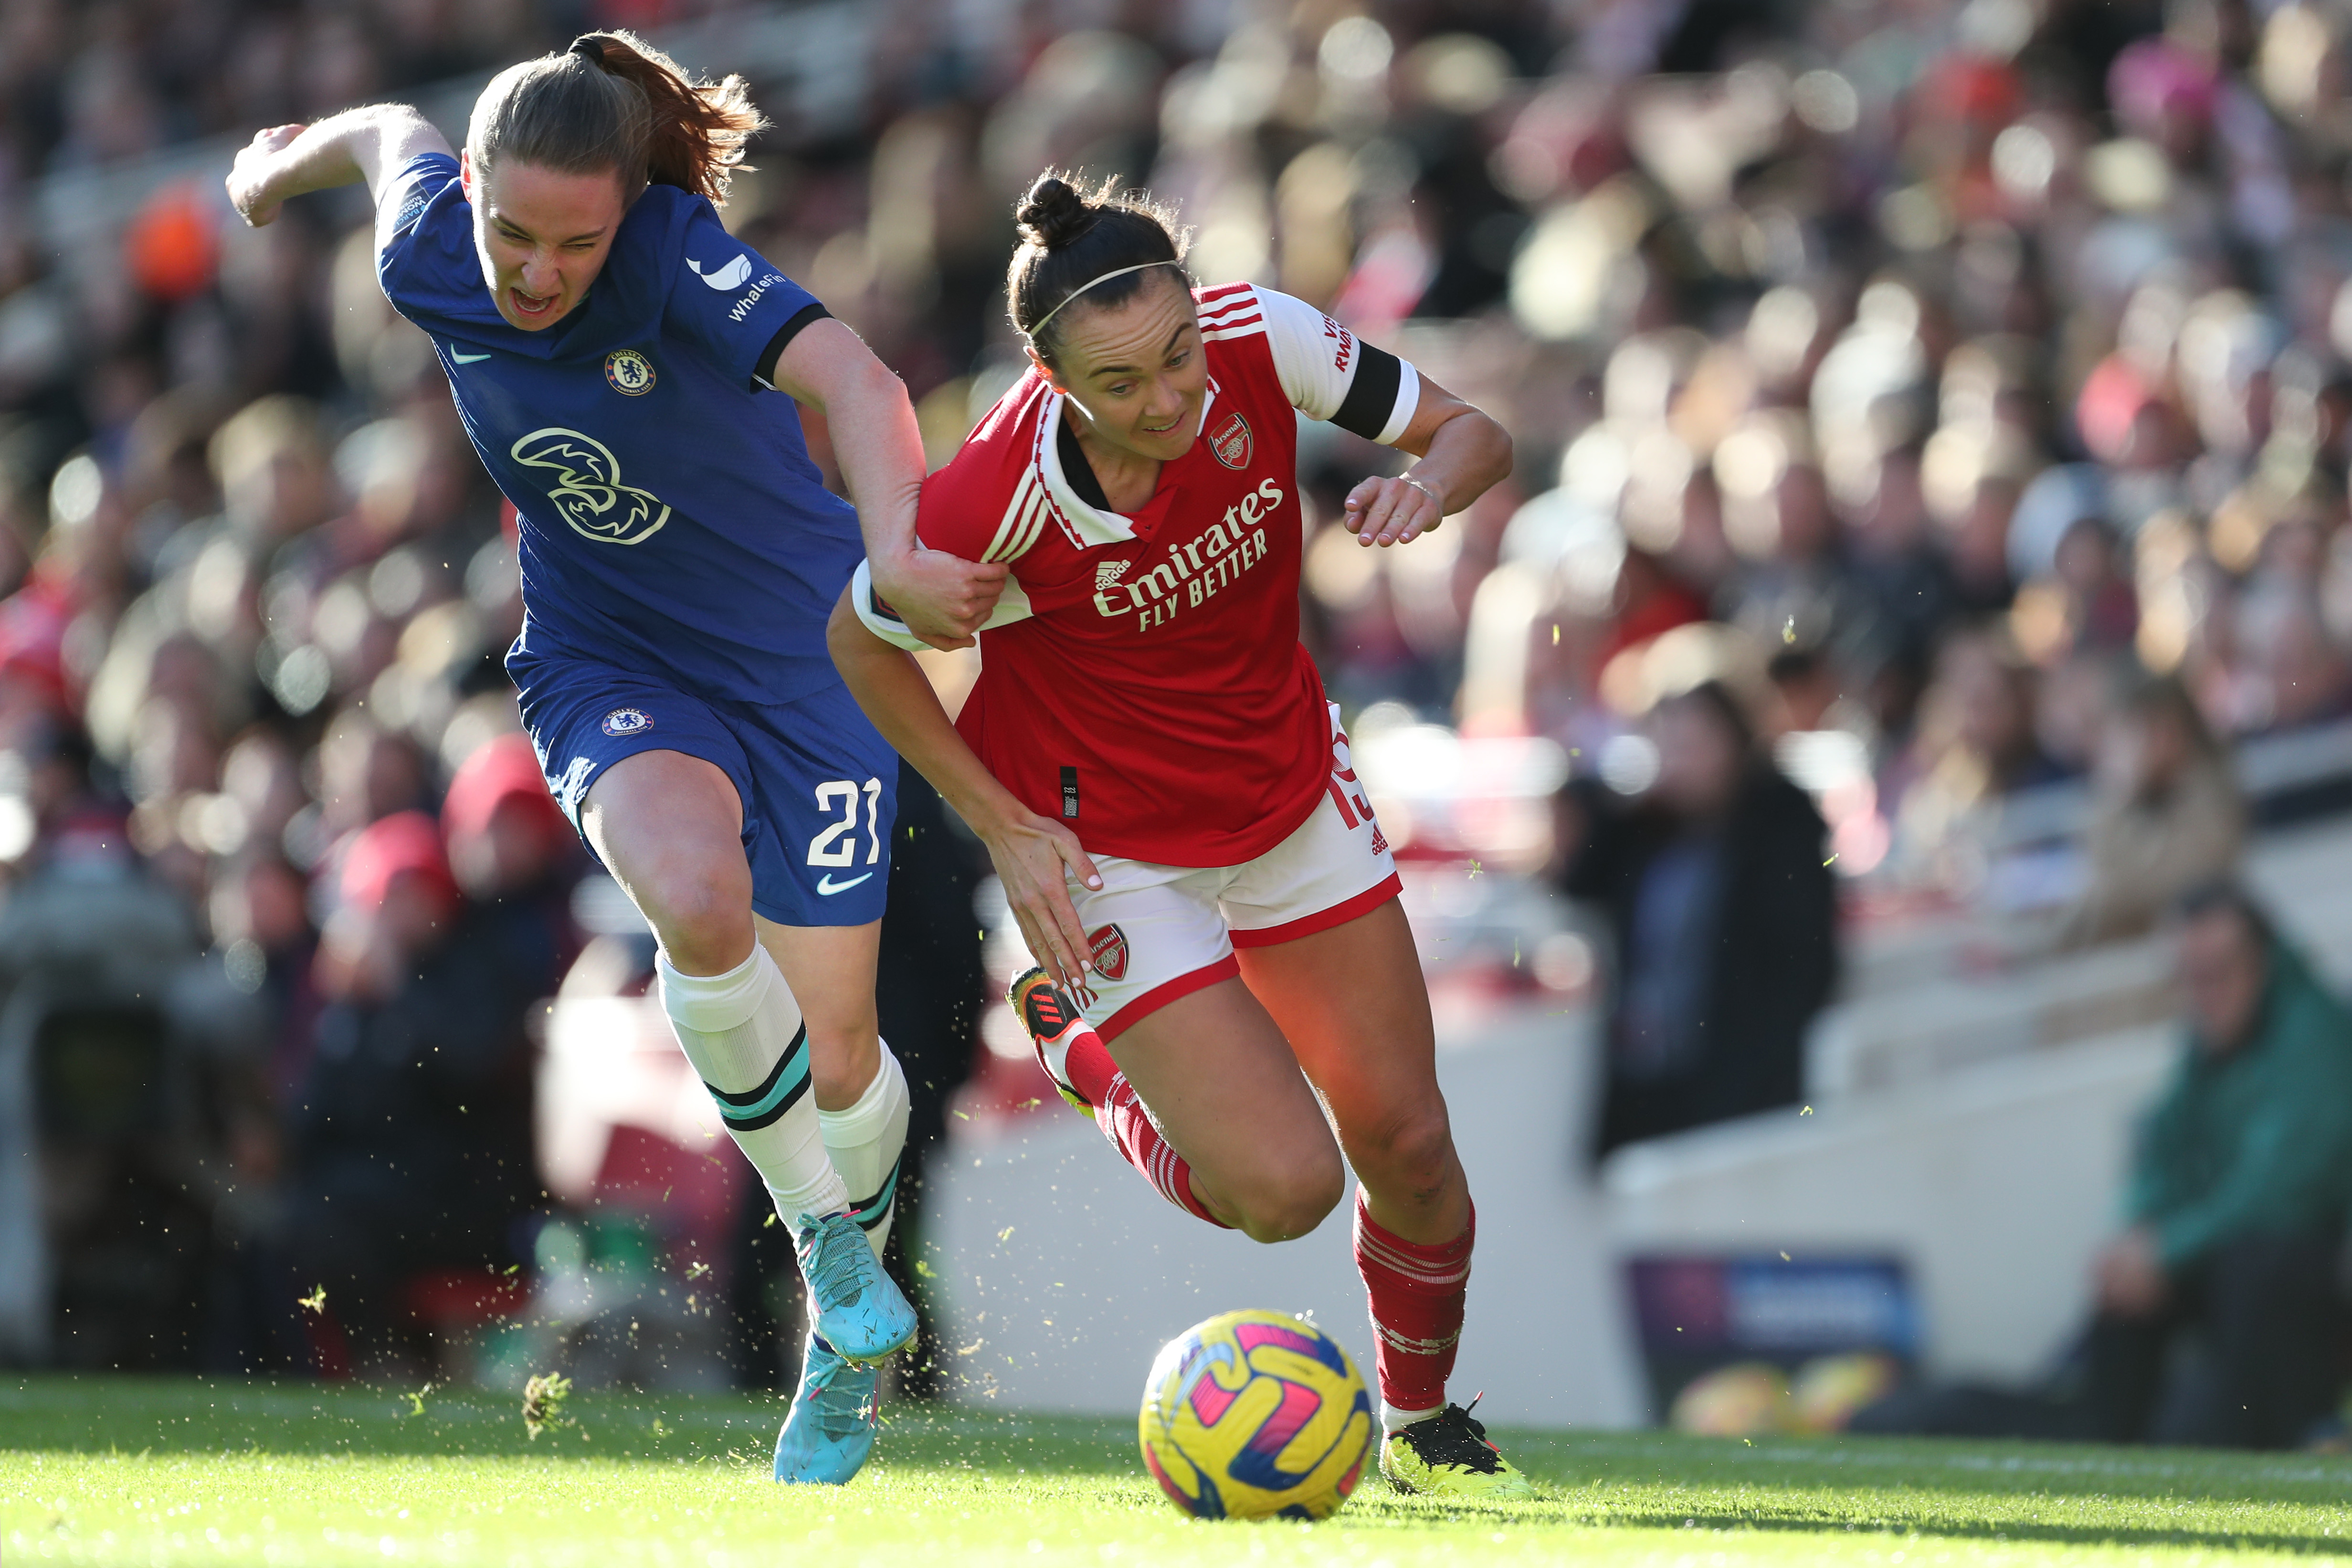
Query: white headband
{"points": [[1089, 283]]}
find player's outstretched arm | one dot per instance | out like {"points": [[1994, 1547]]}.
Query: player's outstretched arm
{"points": [[1463, 454], [369, 144], [942, 598], [1035, 855]]}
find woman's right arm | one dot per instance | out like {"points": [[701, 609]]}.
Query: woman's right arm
{"points": [[1033, 854], [371, 144]]}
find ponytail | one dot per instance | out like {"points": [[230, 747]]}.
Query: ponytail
{"points": [[614, 101]]}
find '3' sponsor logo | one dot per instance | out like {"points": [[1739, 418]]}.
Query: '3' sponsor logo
{"points": [[588, 489]]}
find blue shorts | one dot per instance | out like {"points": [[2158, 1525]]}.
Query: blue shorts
{"points": [[818, 783]]}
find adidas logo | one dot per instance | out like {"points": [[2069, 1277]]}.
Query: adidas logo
{"points": [[1109, 573]]}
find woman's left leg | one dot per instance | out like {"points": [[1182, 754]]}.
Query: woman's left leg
{"points": [[861, 1110], [824, 790], [861, 1094], [1351, 1001]]}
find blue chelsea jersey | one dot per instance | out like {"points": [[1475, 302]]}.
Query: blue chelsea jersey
{"points": [[672, 521]]}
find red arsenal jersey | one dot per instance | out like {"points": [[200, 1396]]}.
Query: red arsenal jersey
{"points": [[1141, 678]]}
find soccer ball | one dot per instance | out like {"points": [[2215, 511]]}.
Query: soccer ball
{"points": [[1253, 1412]]}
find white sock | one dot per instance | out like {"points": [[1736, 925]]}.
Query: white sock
{"points": [[742, 1031], [1393, 1420], [865, 1141]]}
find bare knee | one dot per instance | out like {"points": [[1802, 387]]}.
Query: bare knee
{"points": [[700, 909], [1287, 1201], [1409, 1157], [668, 827]]}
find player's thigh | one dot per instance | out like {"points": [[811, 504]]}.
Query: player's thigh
{"points": [[654, 780], [830, 972], [1221, 1082], [1208, 1063], [666, 819], [1351, 1001], [1324, 943]]}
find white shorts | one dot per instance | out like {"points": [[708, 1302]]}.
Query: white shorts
{"points": [[1161, 932]]}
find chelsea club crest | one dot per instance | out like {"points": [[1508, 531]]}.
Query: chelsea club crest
{"points": [[627, 721], [628, 372]]}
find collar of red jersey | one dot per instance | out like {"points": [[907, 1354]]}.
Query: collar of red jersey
{"points": [[1091, 526]]}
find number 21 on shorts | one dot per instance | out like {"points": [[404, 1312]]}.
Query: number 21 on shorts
{"points": [[837, 845]]}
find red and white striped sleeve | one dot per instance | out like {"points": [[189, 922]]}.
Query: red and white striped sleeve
{"points": [[1328, 371]]}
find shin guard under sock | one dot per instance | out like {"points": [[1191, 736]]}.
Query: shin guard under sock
{"points": [[742, 1032]]}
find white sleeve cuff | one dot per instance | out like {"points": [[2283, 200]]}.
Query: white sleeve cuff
{"points": [[876, 618], [1408, 403], [1012, 605]]}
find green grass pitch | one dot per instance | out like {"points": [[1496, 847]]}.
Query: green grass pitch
{"points": [[115, 1471]]}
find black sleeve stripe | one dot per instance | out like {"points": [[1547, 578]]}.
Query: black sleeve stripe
{"points": [[769, 356], [881, 606], [1371, 396]]}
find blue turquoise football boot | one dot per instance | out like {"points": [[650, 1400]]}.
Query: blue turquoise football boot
{"points": [[858, 1310], [829, 1430]]}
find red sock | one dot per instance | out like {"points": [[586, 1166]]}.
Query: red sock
{"points": [[1127, 1125], [1416, 1294], [1090, 1066]]}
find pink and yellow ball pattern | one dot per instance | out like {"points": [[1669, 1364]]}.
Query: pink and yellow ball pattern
{"points": [[1254, 1413]]}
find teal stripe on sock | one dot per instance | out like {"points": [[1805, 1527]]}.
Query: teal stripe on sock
{"points": [[786, 1084], [870, 1212]]}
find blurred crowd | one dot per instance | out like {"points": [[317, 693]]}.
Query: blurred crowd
{"points": [[1956, 389], [1962, 384]]}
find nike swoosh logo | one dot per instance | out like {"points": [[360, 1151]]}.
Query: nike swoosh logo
{"points": [[467, 358], [828, 887]]}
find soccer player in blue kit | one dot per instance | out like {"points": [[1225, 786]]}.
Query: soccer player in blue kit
{"points": [[614, 355]]}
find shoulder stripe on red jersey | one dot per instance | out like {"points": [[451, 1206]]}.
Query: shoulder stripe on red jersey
{"points": [[1033, 523], [1244, 306], [1226, 291], [1252, 328], [1009, 529]]}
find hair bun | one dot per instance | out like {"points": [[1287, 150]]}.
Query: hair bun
{"points": [[1053, 215]]}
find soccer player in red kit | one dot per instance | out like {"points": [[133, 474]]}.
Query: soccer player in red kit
{"points": [[1166, 793]]}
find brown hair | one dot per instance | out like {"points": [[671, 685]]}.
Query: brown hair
{"points": [[1069, 237], [612, 100]]}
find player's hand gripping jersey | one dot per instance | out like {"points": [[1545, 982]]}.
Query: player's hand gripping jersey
{"points": [[647, 544], [1142, 678]]}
